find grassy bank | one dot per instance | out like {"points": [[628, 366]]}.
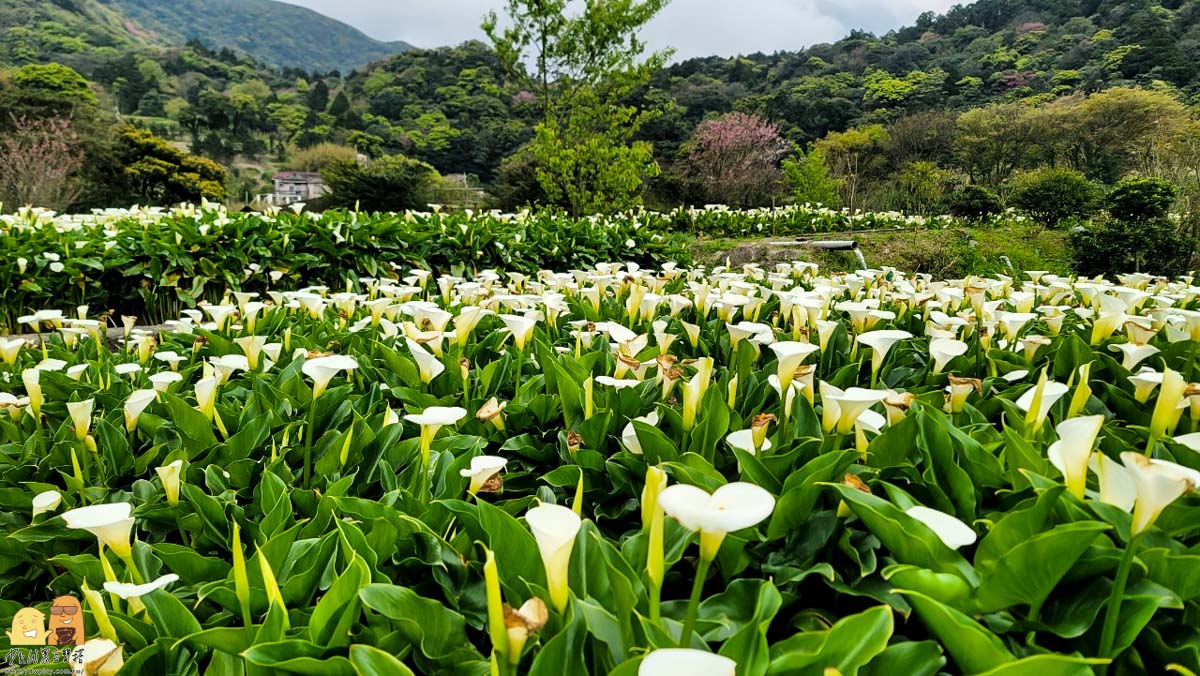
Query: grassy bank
{"points": [[951, 252]]}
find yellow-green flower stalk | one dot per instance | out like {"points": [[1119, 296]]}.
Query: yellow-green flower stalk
{"points": [[693, 391], [1169, 407], [274, 595], [95, 601], [652, 523], [1082, 393], [241, 581], [497, 631]]}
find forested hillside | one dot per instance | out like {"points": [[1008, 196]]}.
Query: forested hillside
{"points": [[275, 33], [978, 95], [84, 33]]}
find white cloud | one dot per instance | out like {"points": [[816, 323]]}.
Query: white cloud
{"points": [[692, 27]]}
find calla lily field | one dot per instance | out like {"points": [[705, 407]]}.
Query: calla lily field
{"points": [[605, 462]]}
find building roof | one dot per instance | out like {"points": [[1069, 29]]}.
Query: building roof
{"points": [[297, 176]]}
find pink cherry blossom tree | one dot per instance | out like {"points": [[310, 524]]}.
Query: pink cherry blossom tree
{"points": [[734, 159]]}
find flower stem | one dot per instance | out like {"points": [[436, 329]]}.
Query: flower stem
{"points": [[1150, 444], [308, 443], [1115, 597], [133, 569], [693, 607], [655, 602]]}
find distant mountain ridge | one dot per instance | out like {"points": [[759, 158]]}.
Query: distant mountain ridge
{"points": [[273, 33]]}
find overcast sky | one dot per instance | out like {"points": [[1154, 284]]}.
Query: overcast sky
{"points": [[692, 27]]}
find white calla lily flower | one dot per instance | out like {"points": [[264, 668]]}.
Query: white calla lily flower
{"points": [[942, 350], [554, 529], [685, 662], [323, 369], [135, 405], [132, 591], [1158, 483], [1073, 450], [949, 529], [881, 343], [111, 523], [730, 508], [46, 501], [483, 468]]}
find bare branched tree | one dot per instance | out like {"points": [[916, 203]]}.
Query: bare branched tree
{"points": [[39, 163]]}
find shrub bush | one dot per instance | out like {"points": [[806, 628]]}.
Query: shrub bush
{"points": [[1158, 246], [1051, 195], [392, 183], [973, 201], [1140, 199]]}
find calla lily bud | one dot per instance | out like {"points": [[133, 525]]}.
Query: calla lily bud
{"points": [[1083, 392], [554, 528], [33, 389], [1169, 407], [169, 476], [656, 481], [95, 601], [693, 391], [497, 630]]}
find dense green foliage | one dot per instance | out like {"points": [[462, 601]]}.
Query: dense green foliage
{"points": [[973, 201], [371, 481], [979, 95], [1159, 246], [393, 183], [153, 263], [1052, 195], [1140, 199]]}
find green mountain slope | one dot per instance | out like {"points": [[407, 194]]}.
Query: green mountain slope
{"points": [[274, 33]]}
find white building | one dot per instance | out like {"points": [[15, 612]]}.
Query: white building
{"points": [[297, 186]]}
